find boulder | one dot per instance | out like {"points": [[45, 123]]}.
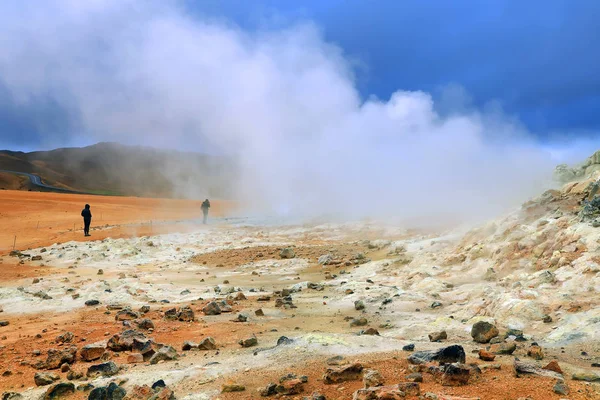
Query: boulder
{"points": [[232, 388], [125, 340], [185, 314], [290, 387], [486, 355], [126, 315], [249, 342], [522, 368], [455, 375], [503, 348], [535, 352]]}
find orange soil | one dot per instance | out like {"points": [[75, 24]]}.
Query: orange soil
{"points": [[40, 219]]}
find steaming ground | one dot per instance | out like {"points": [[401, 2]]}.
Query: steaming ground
{"points": [[537, 263]]}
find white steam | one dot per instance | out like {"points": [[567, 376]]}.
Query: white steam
{"points": [[283, 103]]}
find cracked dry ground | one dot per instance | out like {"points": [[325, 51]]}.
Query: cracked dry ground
{"points": [[317, 324]]}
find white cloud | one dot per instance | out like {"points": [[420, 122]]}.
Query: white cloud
{"points": [[283, 102]]}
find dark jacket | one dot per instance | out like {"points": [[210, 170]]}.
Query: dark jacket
{"points": [[86, 214], [205, 205]]}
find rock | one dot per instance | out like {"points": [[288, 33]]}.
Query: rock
{"points": [[586, 376], [163, 394], [287, 252], [249, 342], [503, 348], [410, 388], [241, 318], [100, 272], [290, 387], [362, 321], [144, 309], [359, 305], [126, 315], [125, 340], [159, 384], [486, 355], [450, 354], [135, 358], [531, 369], [392, 392], [11, 396], [232, 388], [560, 387], [211, 308], [91, 303], [535, 352], [372, 378], [547, 319], [104, 369], [65, 368], [336, 360], [436, 304], [409, 347], [66, 337], [207, 343], [370, 331], [455, 375], [45, 378], [352, 372], [554, 366], [4, 323], [414, 377], [92, 352], [284, 340], [483, 332], [438, 336], [59, 390], [240, 296], [171, 314], [325, 259], [74, 375], [259, 313], [189, 345], [165, 353], [58, 357], [144, 323], [111, 392], [268, 390], [185, 314]]}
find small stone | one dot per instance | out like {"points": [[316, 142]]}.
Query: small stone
{"points": [[483, 332], [259, 313], [211, 308], [352, 372], [4, 323], [455, 375], [165, 353], [232, 388], [135, 358], [59, 391], [372, 378], [503, 348], [45, 378], [415, 377], [560, 387], [287, 252], [249, 342], [450, 354], [370, 331], [362, 321], [92, 352], [100, 272], [438, 336], [486, 355], [554, 366], [535, 352], [547, 319], [359, 305], [91, 303], [409, 347], [207, 343], [104, 369], [241, 318]]}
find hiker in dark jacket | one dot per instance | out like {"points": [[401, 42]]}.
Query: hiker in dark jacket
{"points": [[205, 207], [87, 219]]}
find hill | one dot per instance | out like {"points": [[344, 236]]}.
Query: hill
{"points": [[115, 169]]}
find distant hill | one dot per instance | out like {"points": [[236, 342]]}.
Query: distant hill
{"points": [[115, 169]]}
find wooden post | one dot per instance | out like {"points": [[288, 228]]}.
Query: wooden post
{"points": [[15, 242]]}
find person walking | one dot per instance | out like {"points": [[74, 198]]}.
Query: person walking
{"points": [[87, 219], [205, 207]]}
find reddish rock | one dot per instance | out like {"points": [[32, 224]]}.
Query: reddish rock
{"points": [[486, 355], [135, 358], [553, 366], [352, 372]]}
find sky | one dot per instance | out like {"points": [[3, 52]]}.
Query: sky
{"points": [[536, 60], [317, 101]]}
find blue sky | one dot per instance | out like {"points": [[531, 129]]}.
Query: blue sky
{"points": [[537, 60]]}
